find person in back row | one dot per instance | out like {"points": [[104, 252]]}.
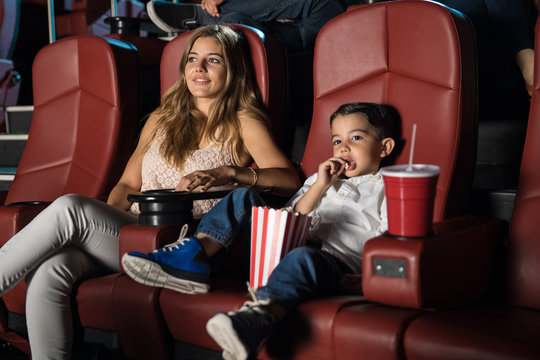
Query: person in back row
{"points": [[300, 22], [347, 202], [209, 127], [502, 26]]}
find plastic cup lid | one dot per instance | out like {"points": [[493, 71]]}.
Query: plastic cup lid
{"points": [[416, 170]]}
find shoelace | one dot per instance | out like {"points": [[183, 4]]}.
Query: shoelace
{"points": [[260, 315], [254, 314], [181, 241]]}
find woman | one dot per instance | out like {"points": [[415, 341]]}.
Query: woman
{"points": [[209, 127]]}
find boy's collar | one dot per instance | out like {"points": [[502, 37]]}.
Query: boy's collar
{"points": [[376, 176]]}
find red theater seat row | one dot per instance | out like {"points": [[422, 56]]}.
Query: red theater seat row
{"points": [[431, 81], [419, 57]]}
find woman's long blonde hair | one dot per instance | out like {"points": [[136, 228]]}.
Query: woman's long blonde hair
{"points": [[183, 125]]}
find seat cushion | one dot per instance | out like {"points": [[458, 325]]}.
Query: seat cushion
{"points": [[476, 333]]}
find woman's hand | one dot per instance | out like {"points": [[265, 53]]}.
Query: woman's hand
{"points": [[212, 6], [203, 180]]}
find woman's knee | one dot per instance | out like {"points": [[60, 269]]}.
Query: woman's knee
{"points": [[69, 201]]}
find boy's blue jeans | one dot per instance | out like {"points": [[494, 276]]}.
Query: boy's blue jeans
{"points": [[304, 273], [312, 15]]}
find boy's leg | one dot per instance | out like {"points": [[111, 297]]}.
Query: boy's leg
{"points": [[303, 274], [230, 217], [183, 265]]}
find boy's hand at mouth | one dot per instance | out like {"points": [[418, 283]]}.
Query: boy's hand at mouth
{"points": [[330, 170]]}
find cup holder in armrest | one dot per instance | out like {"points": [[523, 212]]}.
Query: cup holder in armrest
{"points": [[29, 203], [170, 207]]}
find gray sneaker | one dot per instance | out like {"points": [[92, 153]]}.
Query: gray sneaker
{"points": [[172, 17], [242, 333]]}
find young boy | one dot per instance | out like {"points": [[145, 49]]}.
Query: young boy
{"points": [[346, 200]]}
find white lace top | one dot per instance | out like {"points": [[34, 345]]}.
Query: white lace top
{"points": [[157, 173]]}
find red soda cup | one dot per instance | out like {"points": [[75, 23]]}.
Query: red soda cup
{"points": [[410, 195]]}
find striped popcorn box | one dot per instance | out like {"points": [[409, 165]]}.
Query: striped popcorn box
{"points": [[273, 234]]}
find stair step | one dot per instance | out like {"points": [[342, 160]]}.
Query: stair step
{"points": [[7, 174], [11, 149], [13, 141], [5, 184], [18, 119]]}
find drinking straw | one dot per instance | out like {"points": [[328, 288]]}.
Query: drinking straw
{"points": [[411, 153]]}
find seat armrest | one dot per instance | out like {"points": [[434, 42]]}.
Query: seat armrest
{"points": [[450, 268], [14, 217]]}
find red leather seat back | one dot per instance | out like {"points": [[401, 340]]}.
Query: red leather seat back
{"points": [[85, 113], [524, 245], [75, 17], [417, 56], [268, 58]]}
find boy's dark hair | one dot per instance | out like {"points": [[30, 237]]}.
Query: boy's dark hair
{"points": [[383, 118]]}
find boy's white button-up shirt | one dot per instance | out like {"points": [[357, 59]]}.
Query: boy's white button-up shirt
{"points": [[351, 212]]}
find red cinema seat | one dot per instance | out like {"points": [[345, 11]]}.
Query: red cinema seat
{"points": [[422, 63], [419, 57], [504, 332], [114, 306], [81, 136]]}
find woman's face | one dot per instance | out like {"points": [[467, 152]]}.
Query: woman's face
{"points": [[206, 70]]}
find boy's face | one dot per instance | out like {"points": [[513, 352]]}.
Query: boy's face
{"points": [[354, 140]]}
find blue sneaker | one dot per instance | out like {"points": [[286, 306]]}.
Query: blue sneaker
{"points": [[242, 333], [179, 266]]}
